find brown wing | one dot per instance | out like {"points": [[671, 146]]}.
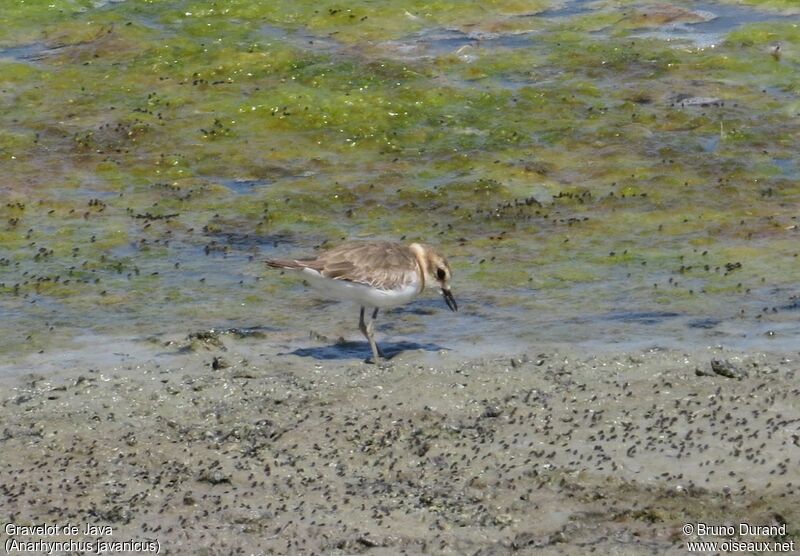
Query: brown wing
{"points": [[380, 264]]}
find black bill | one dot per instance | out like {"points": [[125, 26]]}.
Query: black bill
{"points": [[450, 300]]}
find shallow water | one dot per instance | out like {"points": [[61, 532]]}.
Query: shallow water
{"points": [[714, 22], [154, 154]]}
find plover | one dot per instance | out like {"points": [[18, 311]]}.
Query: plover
{"points": [[376, 274]]}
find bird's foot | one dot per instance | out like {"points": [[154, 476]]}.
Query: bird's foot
{"points": [[381, 361]]}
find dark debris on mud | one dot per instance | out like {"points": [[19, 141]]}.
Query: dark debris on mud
{"points": [[553, 454]]}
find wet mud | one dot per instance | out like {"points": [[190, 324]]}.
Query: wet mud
{"points": [[546, 452]]}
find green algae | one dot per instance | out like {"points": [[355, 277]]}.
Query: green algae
{"points": [[355, 21], [548, 165], [783, 6]]}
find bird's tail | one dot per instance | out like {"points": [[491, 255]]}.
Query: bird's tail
{"points": [[284, 263]]}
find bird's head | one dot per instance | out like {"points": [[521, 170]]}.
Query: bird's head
{"points": [[437, 271]]}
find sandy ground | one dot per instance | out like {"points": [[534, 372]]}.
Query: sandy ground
{"points": [[550, 452]]}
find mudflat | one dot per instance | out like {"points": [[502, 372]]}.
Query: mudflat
{"points": [[226, 444]]}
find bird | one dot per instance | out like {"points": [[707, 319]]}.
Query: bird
{"points": [[376, 274]]}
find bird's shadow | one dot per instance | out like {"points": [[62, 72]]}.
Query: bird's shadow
{"points": [[360, 350]]}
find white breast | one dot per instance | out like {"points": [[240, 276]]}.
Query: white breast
{"points": [[363, 294]]}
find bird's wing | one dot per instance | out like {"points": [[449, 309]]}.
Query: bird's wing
{"points": [[381, 265]]}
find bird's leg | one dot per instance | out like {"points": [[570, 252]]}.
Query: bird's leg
{"points": [[366, 330], [371, 330]]}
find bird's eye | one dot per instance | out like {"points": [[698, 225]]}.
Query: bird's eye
{"points": [[441, 274]]}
